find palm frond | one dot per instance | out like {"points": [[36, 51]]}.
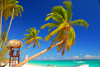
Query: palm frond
{"points": [[28, 35], [68, 5], [39, 38], [59, 37], [33, 30], [59, 47], [29, 41], [55, 16], [48, 17], [30, 32], [80, 22], [26, 38], [19, 9], [37, 32], [32, 37], [37, 42], [71, 38], [61, 26], [51, 25], [60, 10]]}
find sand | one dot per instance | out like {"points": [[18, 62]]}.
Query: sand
{"points": [[25, 65]]}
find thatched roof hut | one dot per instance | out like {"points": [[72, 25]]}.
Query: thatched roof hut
{"points": [[14, 44]]}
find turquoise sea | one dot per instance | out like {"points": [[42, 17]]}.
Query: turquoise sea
{"points": [[66, 63]]}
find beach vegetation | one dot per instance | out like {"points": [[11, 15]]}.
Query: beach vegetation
{"points": [[32, 37], [63, 23], [63, 29], [9, 8]]}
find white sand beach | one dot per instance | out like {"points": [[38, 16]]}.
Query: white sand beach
{"points": [[25, 65], [31, 65]]}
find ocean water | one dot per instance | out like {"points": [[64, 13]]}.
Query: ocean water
{"points": [[67, 63]]}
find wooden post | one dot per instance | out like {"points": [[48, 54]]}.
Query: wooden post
{"points": [[19, 55], [9, 61]]}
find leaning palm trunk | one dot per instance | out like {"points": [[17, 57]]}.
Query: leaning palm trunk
{"points": [[27, 48], [38, 54], [1, 29], [7, 31]]}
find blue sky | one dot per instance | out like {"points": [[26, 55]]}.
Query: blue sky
{"points": [[87, 42]]}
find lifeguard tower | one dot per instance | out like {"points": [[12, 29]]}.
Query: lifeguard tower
{"points": [[14, 46]]}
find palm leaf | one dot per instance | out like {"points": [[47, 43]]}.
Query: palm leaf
{"points": [[28, 35], [33, 30], [61, 26], [37, 32], [56, 16], [26, 38], [48, 17], [39, 38], [63, 51], [32, 34], [68, 47], [71, 38], [51, 25], [80, 22], [37, 42], [60, 10], [29, 41], [68, 5], [60, 46]]}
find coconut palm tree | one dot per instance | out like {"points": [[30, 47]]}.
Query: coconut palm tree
{"points": [[32, 37], [5, 51], [1, 2], [2, 9], [11, 8], [65, 34], [63, 24]]}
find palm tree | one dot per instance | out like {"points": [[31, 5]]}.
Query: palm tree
{"points": [[32, 37], [5, 51], [11, 8], [1, 27], [64, 30], [2, 9], [63, 24]]}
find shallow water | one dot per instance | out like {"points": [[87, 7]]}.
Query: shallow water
{"points": [[66, 63]]}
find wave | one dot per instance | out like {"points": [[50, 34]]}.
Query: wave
{"points": [[79, 62]]}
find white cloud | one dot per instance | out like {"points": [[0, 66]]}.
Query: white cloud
{"points": [[51, 57], [58, 54], [95, 56], [66, 58], [81, 54], [88, 56], [55, 58], [75, 57], [91, 57], [45, 57]]}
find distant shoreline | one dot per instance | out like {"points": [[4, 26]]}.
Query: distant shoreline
{"points": [[65, 60]]}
